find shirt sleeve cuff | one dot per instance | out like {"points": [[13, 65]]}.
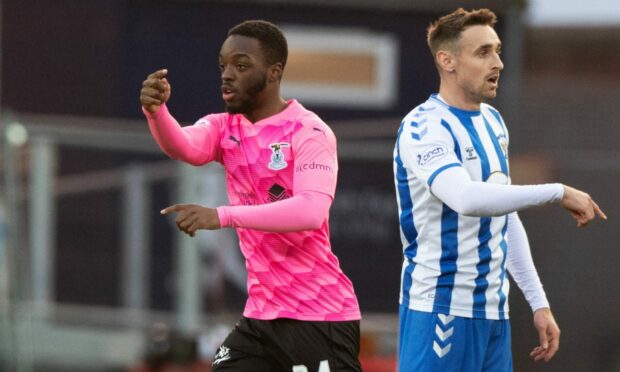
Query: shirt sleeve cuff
{"points": [[441, 169], [223, 213], [540, 301], [163, 109], [559, 192]]}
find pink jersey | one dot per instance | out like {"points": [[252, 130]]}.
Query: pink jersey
{"points": [[290, 274]]}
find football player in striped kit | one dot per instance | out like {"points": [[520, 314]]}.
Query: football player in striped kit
{"points": [[458, 213]]}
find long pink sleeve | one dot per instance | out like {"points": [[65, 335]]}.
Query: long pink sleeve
{"points": [[307, 210], [197, 144]]}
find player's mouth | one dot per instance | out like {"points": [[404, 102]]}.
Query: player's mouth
{"points": [[493, 80], [228, 93]]}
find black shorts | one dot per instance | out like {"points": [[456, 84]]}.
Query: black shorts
{"points": [[289, 345]]}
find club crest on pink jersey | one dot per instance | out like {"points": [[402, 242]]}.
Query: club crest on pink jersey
{"points": [[277, 156]]}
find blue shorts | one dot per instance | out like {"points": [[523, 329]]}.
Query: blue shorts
{"points": [[430, 342]]}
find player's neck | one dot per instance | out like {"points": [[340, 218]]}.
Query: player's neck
{"points": [[271, 107], [456, 97]]}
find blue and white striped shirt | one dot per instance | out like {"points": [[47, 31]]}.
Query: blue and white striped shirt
{"points": [[453, 264]]}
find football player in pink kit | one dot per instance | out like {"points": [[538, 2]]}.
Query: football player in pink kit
{"points": [[281, 168]]}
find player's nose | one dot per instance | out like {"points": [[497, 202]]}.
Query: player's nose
{"points": [[497, 63], [227, 73]]}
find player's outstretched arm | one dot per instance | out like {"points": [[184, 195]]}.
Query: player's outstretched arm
{"points": [[307, 210], [155, 91], [548, 335], [581, 206], [455, 188]]}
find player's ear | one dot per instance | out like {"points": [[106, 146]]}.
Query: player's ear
{"points": [[445, 60], [275, 72]]}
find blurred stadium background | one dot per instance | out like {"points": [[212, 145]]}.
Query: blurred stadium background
{"points": [[93, 279]]}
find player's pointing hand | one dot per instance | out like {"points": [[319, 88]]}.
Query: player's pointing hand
{"points": [[581, 206], [192, 217], [155, 91]]}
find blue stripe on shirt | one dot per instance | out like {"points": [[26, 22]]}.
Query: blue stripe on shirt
{"points": [[484, 232], [457, 149], [498, 149], [468, 124], [502, 275], [499, 119], [406, 221], [447, 262], [483, 267]]}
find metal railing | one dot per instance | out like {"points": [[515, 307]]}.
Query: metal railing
{"points": [[31, 187]]}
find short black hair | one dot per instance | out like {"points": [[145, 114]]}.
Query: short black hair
{"points": [[271, 38]]}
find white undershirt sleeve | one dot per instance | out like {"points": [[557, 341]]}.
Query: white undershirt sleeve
{"points": [[455, 188], [521, 266]]}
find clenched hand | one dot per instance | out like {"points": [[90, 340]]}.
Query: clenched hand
{"points": [[155, 91]]}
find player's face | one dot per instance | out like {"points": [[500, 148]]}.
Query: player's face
{"points": [[478, 64], [244, 74]]}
